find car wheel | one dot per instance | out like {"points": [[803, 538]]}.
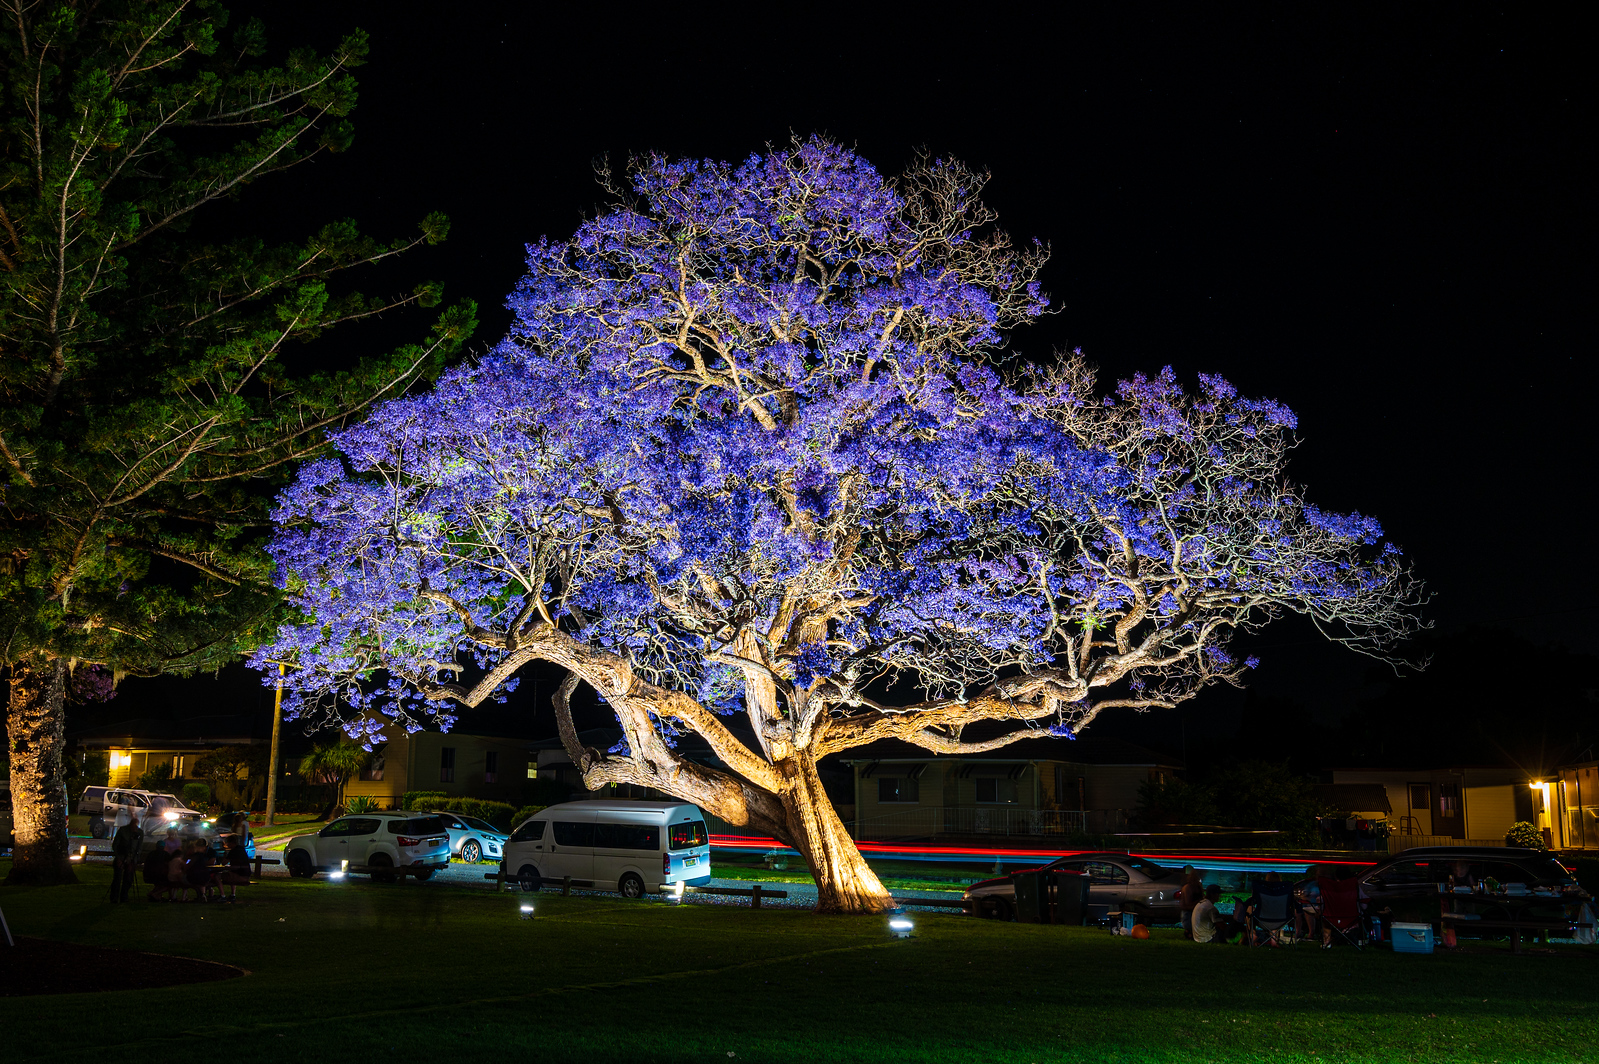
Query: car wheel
{"points": [[529, 878], [300, 865], [97, 828], [471, 851], [377, 862], [425, 875], [998, 909], [631, 886]]}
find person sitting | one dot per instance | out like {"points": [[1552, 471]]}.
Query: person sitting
{"points": [[1209, 924], [1270, 908], [176, 881], [237, 874], [155, 874], [197, 870]]}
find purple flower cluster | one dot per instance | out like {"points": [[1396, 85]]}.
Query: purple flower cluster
{"points": [[764, 405]]}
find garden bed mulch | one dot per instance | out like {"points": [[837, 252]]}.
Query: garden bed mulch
{"points": [[45, 966]]}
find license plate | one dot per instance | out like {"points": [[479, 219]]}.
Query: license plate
{"points": [[690, 861]]}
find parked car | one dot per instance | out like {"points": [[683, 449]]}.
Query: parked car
{"points": [[1120, 881], [472, 839], [1418, 873], [153, 810], [374, 841], [629, 846]]}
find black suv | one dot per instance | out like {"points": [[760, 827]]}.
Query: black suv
{"points": [[1416, 875]]}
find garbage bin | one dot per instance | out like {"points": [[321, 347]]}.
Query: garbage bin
{"points": [[1070, 890], [1032, 897]]}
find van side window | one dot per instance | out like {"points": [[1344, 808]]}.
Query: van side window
{"points": [[570, 834], [532, 831], [627, 837]]}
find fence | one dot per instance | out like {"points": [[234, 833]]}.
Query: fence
{"points": [[1397, 843], [916, 823]]}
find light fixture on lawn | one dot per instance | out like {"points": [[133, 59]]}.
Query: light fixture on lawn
{"points": [[344, 866], [899, 925], [526, 911]]}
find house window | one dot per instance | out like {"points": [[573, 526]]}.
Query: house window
{"points": [[897, 789], [1449, 799], [491, 767], [1420, 796], [447, 765], [996, 792], [532, 770], [373, 773]]}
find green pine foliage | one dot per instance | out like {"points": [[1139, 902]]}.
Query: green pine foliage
{"points": [[150, 403], [1522, 833], [155, 391]]}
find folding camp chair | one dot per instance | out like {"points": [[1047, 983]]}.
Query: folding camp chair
{"points": [[1271, 910], [1340, 909]]}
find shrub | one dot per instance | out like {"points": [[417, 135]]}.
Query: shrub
{"points": [[196, 795], [411, 798], [1522, 833], [525, 812], [361, 803], [157, 778], [497, 813]]}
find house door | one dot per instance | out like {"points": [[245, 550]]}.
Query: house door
{"points": [[1421, 806], [1449, 815]]}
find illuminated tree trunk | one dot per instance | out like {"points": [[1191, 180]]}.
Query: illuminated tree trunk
{"points": [[844, 882], [36, 719]]}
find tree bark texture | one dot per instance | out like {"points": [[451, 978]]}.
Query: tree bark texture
{"points": [[796, 812], [36, 721]]}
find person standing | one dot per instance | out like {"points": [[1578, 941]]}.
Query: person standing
{"points": [[124, 855], [1188, 896]]}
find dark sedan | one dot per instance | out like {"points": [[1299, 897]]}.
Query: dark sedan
{"points": [[1417, 875], [1118, 881]]}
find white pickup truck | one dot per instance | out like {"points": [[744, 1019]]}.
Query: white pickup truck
{"points": [[102, 804]]}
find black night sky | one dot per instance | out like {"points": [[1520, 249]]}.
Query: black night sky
{"points": [[1379, 218]]}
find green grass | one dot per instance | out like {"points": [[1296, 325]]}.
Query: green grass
{"points": [[364, 971]]}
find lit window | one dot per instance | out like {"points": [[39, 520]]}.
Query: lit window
{"points": [[532, 770]]}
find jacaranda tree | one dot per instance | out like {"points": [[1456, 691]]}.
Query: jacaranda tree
{"points": [[751, 448]]}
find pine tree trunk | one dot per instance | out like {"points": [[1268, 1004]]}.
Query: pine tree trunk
{"points": [[844, 882], [36, 718]]}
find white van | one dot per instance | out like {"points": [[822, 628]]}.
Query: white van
{"points": [[630, 846]]}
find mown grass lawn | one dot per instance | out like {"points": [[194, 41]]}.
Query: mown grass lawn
{"points": [[355, 970]]}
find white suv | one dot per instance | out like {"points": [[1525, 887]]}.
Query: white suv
{"points": [[153, 811], [376, 841]]}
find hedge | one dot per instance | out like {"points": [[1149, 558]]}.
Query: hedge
{"points": [[525, 812], [409, 800], [497, 813]]}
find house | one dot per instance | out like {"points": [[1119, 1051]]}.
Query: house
{"points": [[133, 747], [1473, 805], [1567, 807], [1043, 786], [460, 764]]}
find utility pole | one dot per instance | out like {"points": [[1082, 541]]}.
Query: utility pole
{"points": [[272, 762]]}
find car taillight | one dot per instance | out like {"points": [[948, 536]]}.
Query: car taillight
{"points": [[666, 864], [405, 840]]}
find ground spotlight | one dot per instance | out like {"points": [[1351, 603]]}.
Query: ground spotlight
{"points": [[899, 925], [526, 911]]}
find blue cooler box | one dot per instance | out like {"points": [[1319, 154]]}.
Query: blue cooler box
{"points": [[1412, 938]]}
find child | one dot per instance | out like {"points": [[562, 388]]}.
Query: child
{"points": [[175, 878], [197, 870], [155, 874]]}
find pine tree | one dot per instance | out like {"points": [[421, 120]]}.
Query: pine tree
{"points": [[152, 398]]}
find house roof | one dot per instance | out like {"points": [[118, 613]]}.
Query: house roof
{"points": [[1361, 797], [220, 730], [1087, 751]]}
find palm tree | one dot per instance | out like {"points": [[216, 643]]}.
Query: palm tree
{"points": [[336, 763]]}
